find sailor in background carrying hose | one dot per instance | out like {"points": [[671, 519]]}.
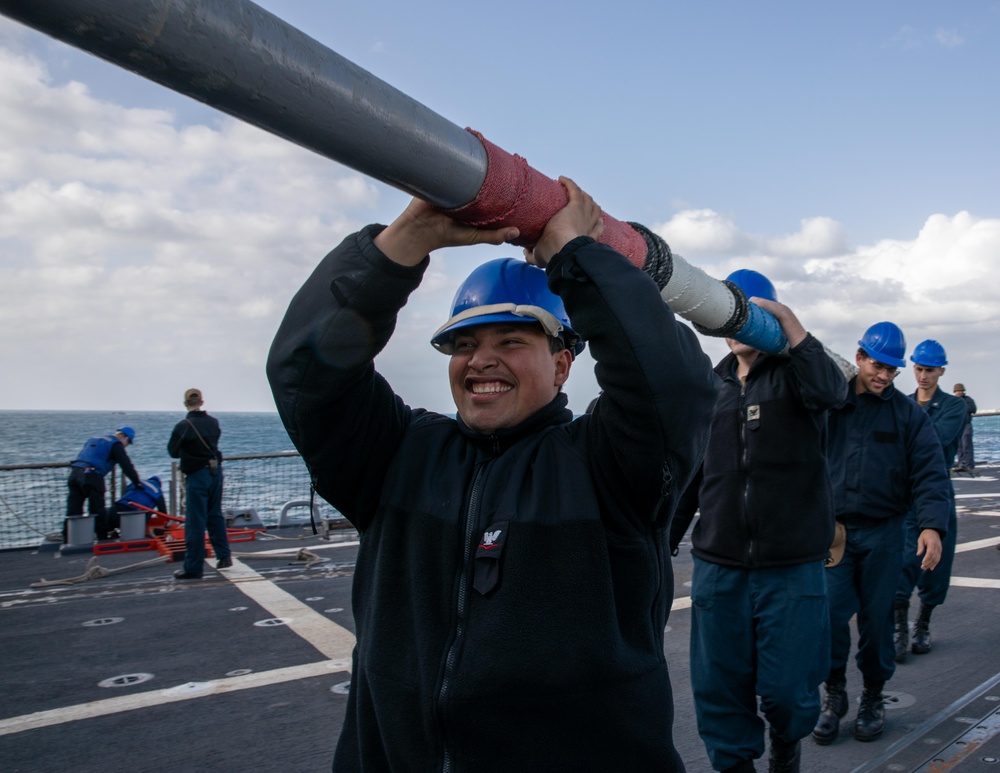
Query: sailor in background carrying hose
{"points": [[86, 477], [760, 622], [885, 460], [195, 441], [948, 415]]}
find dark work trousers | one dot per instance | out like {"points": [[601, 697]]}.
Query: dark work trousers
{"points": [[864, 583], [933, 584], [757, 632], [87, 487], [966, 452], [203, 494]]}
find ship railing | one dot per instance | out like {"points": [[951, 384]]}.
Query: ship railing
{"points": [[33, 496]]}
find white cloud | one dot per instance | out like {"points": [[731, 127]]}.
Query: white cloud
{"points": [[121, 227], [949, 38], [906, 37], [139, 255], [704, 234], [942, 284]]}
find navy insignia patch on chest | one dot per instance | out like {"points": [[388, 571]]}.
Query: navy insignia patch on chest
{"points": [[488, 555]]}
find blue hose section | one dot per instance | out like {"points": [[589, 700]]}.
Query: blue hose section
{"points": [[762, 332]]}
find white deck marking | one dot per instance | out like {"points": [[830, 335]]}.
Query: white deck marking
{"points": [[684, 602], [975, 496], [974, 582], [171, 695], [965, 547], [292, 551], [332, 640]]}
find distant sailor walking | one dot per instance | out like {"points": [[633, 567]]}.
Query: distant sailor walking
{"points": [[195, 441], [966, 456], [86, 477]]}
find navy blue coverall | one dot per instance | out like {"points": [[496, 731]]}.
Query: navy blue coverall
{"points": [[884, 457], [948, 415]]}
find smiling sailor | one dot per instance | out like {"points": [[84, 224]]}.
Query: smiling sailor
{"points": [[513, 579]]}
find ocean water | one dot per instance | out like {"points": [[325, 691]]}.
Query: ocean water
{"points": [[57, 436], [986, 438], [28, 437], [32, 502]]}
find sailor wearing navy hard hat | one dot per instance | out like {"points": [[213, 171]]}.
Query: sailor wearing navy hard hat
{"points": [[885, 460], [948, 414], [880, 356]]}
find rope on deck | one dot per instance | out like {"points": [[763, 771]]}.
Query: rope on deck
{"points": [[303, 556], [95, 571]]}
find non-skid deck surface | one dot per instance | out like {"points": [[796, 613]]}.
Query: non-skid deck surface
{"points": [[248, 671]]}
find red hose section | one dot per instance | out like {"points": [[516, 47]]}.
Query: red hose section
{"points": [[514, 194]]}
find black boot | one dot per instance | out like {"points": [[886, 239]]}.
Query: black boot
{"points": [[785, 757], [901, 638], [741, 767], [922, 631], [871, 714], [834, 708]]}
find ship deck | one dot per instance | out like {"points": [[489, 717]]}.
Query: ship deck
{"points": [[249, 671]]}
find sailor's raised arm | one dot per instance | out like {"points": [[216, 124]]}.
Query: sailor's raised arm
{"points": [[420, 229]]}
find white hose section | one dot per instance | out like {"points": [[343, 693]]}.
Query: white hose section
{"points": [[696, 296]]}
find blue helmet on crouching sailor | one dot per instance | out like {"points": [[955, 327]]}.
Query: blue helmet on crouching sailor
{"points": [[507, 290]]}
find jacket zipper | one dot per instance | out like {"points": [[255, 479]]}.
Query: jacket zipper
{"points": [[462, 603], [744, 451]]}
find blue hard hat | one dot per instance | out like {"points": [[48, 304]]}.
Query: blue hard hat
{"points": [[930, 354], [884, 342], [127, 432], [507, 290], [753, 284]]}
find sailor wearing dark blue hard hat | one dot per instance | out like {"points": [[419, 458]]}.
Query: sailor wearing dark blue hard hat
{"points": [[885, 459], [948, 414]]}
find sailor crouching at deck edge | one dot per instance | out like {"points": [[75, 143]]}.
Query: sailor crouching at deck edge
{"points": [[513, 579]]}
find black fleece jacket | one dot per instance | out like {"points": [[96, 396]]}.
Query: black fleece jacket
{"points": [[764, 488], [511, 590], [194, 451]]}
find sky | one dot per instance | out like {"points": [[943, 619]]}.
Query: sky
{"points": [[849, 151]]}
